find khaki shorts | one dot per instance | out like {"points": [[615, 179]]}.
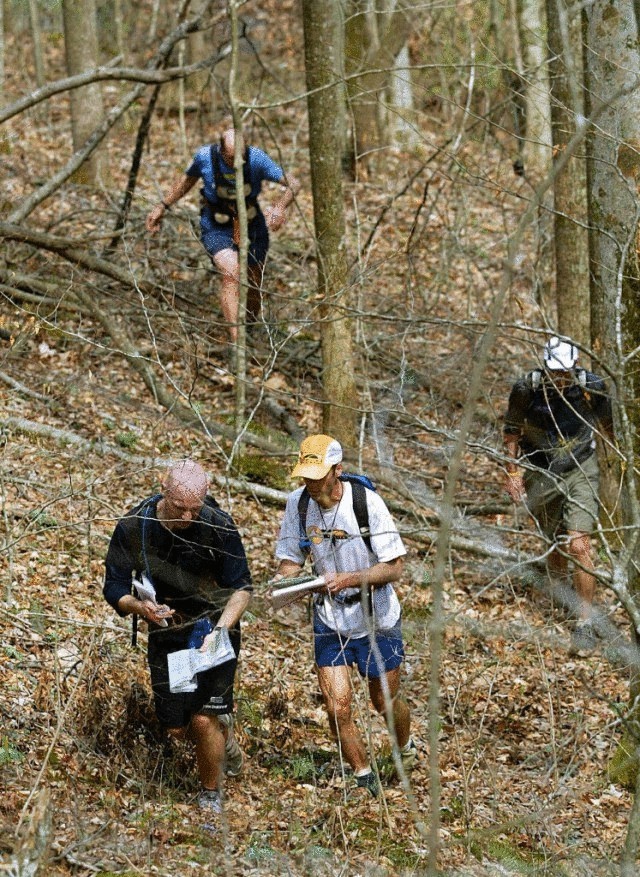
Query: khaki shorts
{"points": [[566, 502]]}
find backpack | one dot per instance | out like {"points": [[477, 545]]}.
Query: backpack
{"points": [[359, 486], [533, 378]]}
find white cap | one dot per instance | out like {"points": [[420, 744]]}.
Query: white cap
{"points": [[559, 354]]}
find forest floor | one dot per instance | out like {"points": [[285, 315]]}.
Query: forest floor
{"points": [[525, 731]]}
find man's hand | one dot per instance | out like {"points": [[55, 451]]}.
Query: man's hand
{"points": [[339, 581], [157, 613], [154, 219], [275, 217], [212, 640], [514, 486]]}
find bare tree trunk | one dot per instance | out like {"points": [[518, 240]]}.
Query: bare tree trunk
{"points": [[243, 249], [36, 36], [613, 59], [373, 37], [2, 51], [537, 146], [404, 116], [81, 48], [571, 237], [320, 41]]}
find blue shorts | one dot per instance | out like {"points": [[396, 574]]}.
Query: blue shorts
{"points": [[338, 649], [216, 237]]}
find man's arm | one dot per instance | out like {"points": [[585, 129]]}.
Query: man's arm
{"points": [[146, 609], [176, 192], [276, 215], [231, 614], [287, 569], [381, 573], [514, 484], [235, 607]]}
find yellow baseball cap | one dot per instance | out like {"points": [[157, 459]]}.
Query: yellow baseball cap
{"points": [[318, 453]]}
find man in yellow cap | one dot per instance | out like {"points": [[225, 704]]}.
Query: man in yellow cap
{"points": [[356, 615]]}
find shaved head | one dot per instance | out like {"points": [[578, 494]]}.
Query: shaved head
{"points": [[228, 144], [184, 490], [186, 476]]}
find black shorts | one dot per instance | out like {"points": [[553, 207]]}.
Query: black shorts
{"points": [[214, 694]]}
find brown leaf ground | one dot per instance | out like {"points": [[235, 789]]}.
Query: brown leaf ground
{"points": [[525, 731]]}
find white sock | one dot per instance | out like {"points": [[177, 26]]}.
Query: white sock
{"points": [[364, 772]]}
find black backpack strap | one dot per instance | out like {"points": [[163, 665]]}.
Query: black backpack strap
{"points": [[303, 506], [359, 492]]}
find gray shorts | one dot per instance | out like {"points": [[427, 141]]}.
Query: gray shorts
{"points": [[566, 502]]}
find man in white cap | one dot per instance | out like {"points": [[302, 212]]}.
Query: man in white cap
{"points": [[356, 614], [549, 429]]}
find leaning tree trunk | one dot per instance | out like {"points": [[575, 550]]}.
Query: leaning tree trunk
{"points": [[612, 62], [571, 238], [320, 41]]}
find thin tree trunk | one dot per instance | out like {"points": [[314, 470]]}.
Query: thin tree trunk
{"points": [[2, 52], [243, 249], [537, 146], [36, 36], [571, 237]]}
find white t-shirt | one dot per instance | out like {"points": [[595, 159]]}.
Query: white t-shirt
{"points": [[337, 546]]}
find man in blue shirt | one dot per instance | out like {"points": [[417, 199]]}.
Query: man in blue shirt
{"points": [[214, 165]]}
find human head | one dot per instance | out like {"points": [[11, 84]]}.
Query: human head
{"points": [[183, 492], [318, 455], [560, 354], [228, 145]]}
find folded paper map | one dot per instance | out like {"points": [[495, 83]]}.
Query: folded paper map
{"points": [[293, 589], [187, 663]]}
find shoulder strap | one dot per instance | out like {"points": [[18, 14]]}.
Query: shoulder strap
{"points": [[534, 379], [360, 508], [361, 511], [303, 506]]}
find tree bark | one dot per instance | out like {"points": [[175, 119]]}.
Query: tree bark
{"points": [[613, 59], [374, 35], [320, 41], [36, 36], [537, 146], [87, 112], [571, 237]]}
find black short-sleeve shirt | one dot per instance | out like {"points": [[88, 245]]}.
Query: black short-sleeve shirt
{"points": [[193, 570]]}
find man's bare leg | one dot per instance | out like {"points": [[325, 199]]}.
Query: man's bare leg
{"points": [[400, 715], [209, 739], [226, 261], [584, 581], [335, 684]]}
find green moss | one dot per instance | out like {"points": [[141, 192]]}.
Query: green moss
{"points": [[127, 439], [9, 754], [263, 470], [623, 767], [513, 857]]}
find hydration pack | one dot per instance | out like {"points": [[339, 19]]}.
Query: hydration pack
{"points": [[359, 486]]}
